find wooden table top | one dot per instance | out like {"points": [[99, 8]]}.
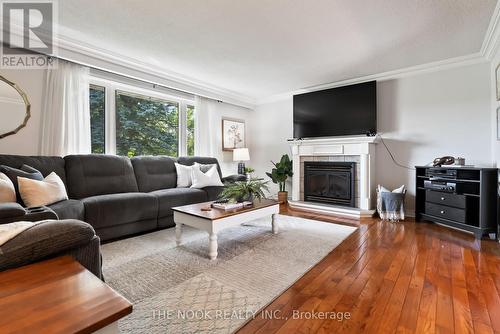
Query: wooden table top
{"points": [[57, 296], [214, 214]]}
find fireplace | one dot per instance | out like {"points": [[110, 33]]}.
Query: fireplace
{"points": [[329, 182]]}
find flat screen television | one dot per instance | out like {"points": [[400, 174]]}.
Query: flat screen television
{"points": [[340, 111]]}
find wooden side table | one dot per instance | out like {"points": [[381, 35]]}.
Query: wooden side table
{"points": [[58, 296]]}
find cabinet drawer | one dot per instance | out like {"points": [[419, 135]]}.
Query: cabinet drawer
{"points": [[445, 212], [457, 201]]}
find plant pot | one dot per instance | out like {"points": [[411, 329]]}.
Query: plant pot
{"points": [[248, 198], [283, 197]]}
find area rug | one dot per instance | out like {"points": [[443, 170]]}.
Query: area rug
{"points": [[179, 290]]}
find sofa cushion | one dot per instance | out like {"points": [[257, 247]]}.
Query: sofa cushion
{"points": [[9, 210], [116, 209], [169, 198], [154, 173], [69, 209], [213, 192], [189, 161], [95, 174], [45, 165]]}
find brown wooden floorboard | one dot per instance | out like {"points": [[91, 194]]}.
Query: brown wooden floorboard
{"points": [[402, 277]]}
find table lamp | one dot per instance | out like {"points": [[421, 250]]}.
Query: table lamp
{"points": [[240, 155]]}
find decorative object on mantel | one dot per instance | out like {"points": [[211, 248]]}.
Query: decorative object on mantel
{"points": [[240, 155], [244, 191], [390, 204], [233, 134], [15, 108], [279, 174]]}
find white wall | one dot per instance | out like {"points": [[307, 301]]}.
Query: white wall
{"points": [[430, 115], [495, 147], [272, 126], [26, 141], [421, 117]]}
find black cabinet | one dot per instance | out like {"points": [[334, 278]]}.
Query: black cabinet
{"points": [[461, 197]]}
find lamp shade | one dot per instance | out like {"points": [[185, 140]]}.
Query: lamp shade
{"points": [[241, 154]]}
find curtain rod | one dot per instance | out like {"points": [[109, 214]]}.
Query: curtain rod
{"points": [[154, 84]]}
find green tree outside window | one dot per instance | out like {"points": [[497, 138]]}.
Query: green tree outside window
{"points": [[146, 126]]}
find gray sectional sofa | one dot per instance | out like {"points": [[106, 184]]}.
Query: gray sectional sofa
{"points": [[119, 196]]}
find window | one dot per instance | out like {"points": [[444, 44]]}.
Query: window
{"points": [[146, 126], [190, 129], [130, 121], [97, 118]]}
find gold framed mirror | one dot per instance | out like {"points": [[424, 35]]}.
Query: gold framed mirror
{"points": [[15, 108]]}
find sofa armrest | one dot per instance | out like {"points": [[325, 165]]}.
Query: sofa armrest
{"points": [[10, 212], [14, 212], [53, 238], [234, 178]]}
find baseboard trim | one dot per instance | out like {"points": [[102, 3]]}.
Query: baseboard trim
{"points": [[337, 210]]}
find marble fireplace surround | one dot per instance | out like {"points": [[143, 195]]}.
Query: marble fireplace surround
{"points": [[360, 150]]}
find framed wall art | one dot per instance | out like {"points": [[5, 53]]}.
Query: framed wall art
{"points": [[233, 134]]}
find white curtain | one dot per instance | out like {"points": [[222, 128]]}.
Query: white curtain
{"points": [[205, 128], [65, 113]]}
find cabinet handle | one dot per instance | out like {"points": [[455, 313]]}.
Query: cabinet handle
{"points": [[442, 198], [442, 211]]}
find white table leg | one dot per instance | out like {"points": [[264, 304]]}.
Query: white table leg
{"points": [[212, 246], [275, 224], [178, 233]]}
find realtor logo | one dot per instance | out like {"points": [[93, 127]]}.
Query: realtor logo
{"points": [[28, 34]]}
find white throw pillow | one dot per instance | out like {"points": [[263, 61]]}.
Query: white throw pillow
{"points": [[202, 180], [382, 189], [204, 167], [184, 179], [38, 193], [7, 190]]}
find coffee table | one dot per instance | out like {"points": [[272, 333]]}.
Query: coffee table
{"points": [[215, 220]]}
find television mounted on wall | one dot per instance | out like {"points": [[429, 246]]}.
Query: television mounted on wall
{"points": [[341, 111]]}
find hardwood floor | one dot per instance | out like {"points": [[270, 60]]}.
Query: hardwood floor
{"points": [[393, 277]]}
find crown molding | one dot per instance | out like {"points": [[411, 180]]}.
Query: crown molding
{"points": [[492, 37], [489, 48], [110, 61], [107, 60], [389, 75]]}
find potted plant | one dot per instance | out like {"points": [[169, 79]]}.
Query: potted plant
{"points": [[248, 172], [242, 191], [279, 174]]}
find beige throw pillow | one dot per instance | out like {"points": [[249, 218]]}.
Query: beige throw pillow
{"points": [[7, 190], [38, 193]]}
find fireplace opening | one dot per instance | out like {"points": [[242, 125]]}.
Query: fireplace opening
{"points": [[329, 182]]}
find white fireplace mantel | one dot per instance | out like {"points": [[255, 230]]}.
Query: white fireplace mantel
{"points": [[363, 147]]}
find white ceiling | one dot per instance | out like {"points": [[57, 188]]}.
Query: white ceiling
{"points": [[261, 48]]}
